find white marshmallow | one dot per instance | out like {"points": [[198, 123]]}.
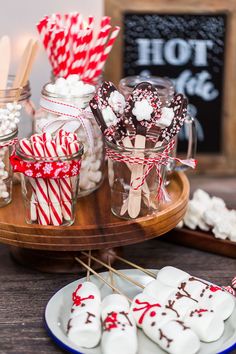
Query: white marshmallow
{"points": [[167, 115], [172, 276], [206, 324], [159, 291], [5, 195], [114, 302], [174, 337], [119, 330], [218, 300], [141, 306], [84, 326], [95, 176], [85, 330], [88, 288]]}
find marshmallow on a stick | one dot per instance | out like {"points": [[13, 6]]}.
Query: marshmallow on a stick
{"points": [[119, 329], [147, 309], [172, 276], [205, 323], [173, 336], [84, 326]]}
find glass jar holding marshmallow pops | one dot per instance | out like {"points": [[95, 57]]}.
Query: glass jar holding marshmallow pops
{"points": [[65, 106], [6, 176], [122, 162], [132, 125], [50, 175]]}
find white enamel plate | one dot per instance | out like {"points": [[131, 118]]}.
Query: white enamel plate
{"points": [[58, 310]]}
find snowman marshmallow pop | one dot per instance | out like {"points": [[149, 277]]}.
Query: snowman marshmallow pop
{"points": [[177, 311]]}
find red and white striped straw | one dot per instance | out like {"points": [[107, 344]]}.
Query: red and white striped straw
{"points": [[106, 52], [105, 21], [96, 52]]}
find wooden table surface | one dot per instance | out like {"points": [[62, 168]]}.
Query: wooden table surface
{"points": [[24, 293]]}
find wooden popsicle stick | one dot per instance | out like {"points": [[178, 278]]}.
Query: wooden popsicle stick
{"points": [[120, 274], [34, 52], [20, 74], [5, 58], [101, 278], [128, 144], [134, 201]]}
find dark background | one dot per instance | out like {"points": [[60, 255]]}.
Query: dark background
{"points": [[210, 27]]}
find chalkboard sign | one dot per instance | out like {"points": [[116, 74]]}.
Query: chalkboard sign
{"points": [[190, 50]]}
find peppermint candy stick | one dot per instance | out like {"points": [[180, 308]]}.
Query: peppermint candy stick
{"points": [[65, 188], [53, 188], [26, 148], [72, 148], [41, 189]]}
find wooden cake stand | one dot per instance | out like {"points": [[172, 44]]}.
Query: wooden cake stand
{"points": [[52, 249]]}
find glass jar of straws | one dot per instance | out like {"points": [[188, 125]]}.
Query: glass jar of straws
{"points": [[69, 111], [137, 178], [49, 186], [6, 176]]}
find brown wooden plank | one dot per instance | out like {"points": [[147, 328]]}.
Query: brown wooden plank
{"points": [[204, 241]]}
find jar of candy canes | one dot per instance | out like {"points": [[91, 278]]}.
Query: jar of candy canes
{"points": [[49, 182], [64, 105], [14, 114], [6, 145]]}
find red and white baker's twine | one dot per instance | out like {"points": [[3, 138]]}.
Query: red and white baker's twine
{"points": [[9, 143], [72, 112], [157, 161]]}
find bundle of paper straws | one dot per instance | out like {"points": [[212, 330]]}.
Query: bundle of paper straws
{"points": [[52, 199], [73, 47]]}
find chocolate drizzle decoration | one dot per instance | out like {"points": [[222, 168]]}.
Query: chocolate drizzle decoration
{"points": [[163, 336]]}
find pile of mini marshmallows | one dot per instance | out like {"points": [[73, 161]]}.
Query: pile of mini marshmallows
{"points": [[52, 200], [75, 92], [210, 214], [9, 119], [71, 86]]}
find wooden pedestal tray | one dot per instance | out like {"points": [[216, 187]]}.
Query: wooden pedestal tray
{"points": [[50, 248]]}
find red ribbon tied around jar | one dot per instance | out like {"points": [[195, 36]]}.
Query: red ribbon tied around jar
{"points": [[45, 169]]}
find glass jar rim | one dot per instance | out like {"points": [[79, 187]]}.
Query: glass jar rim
{"points": [[165, 81], [10, 94], [9, 136], [46, 93], [122, 148], [31, 158]]}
